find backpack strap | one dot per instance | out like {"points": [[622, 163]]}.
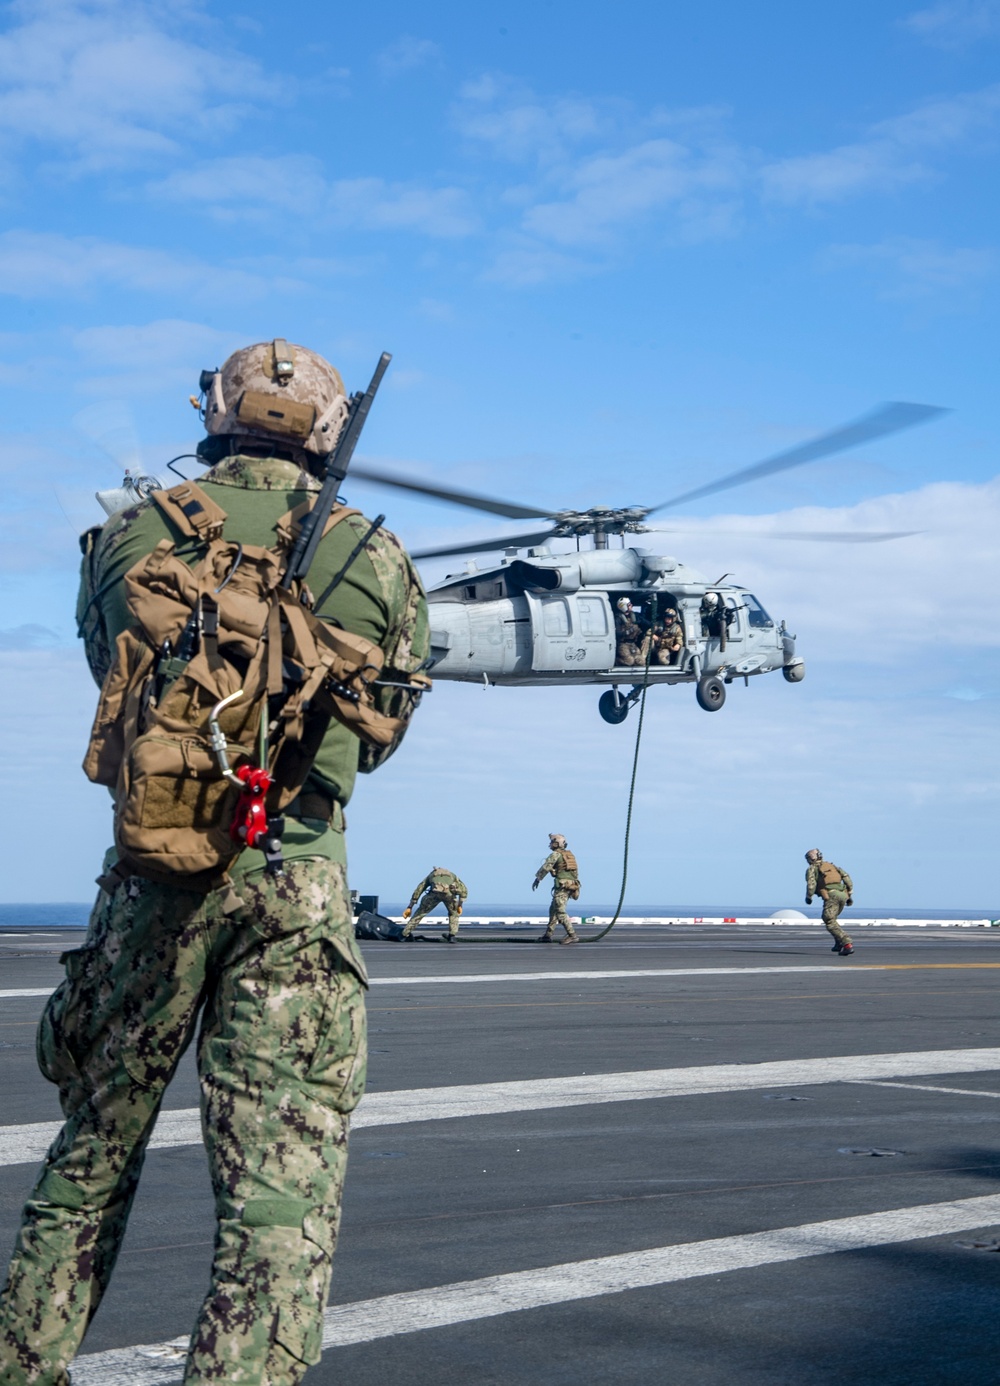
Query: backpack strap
{"points": [[194, 513], [287, 527]]}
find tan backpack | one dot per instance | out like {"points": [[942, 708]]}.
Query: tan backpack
{"points": [[223, 637], [568, 867]]}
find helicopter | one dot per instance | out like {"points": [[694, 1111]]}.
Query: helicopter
{"points": [[545, 618], [548, 618]]}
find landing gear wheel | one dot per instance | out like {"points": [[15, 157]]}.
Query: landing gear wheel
{"points": [[613, 707], [711, 693]]}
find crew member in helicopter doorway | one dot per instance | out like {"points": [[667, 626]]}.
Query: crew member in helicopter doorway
{"points": [[561, 865], [834, 887]]}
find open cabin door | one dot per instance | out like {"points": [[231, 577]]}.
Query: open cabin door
{"points": [[572, 632]]}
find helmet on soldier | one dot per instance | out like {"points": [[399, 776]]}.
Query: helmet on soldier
{"points": [[556, 840], [814, 854], [670, 614], [624, 604], [711, 599], [278, 394]]}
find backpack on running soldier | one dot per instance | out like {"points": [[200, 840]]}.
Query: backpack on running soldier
{"points": [[222, 664], [568, 873], [830, 875]]}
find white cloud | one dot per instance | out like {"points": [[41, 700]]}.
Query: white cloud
{"points": [[375, 204], [234, 187], [47, 264], [515, 124], [955, 23], [149, 358], [913, 269], [247, 181], [876, 604], [891, 153], [113, 83], [597, 171], [36, 264], [609, 192], [406, 54]]}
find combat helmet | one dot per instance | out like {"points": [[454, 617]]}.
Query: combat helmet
{"points": [[557, 840], [273, 393], [623, 604], [814, 854]]}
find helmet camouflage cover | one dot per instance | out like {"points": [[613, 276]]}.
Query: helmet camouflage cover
{"points": [[557, 840], [814, 854], [274, 391]]}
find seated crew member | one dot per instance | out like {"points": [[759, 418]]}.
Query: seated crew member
{"points": [[669, 638], [439, 887], [628, 634]]}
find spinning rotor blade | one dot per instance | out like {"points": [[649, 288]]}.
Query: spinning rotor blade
{"points": [[888, 418], [508, 509], [822, 536], [509, 541]]}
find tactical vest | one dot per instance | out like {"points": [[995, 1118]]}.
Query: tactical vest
{"points": [[567, 872], [202, 634], [830, 875]]}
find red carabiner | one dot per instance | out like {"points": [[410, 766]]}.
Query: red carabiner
{"points": [[250, 816]]}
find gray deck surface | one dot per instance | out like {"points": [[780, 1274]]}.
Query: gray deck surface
{"points": [[433, 1202]]}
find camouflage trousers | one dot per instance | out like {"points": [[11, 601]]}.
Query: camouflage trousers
{"points": [[832, 907], [281, 1059], [430, 901], [557, 911]]}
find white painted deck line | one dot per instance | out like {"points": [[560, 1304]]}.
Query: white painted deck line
{"points": [[467, 1301], [925, 1087], [27, 1144], [830, 969], [567, 975]]}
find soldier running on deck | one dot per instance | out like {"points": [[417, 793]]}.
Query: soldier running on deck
{"points": [[834, 887]]}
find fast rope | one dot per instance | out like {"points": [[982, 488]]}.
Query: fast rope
{"points": [[595, 938]]}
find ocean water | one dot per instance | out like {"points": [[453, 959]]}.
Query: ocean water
{"points": [[74, 915]]}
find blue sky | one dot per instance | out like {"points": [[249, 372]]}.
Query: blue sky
{"points": [[615, 254]]}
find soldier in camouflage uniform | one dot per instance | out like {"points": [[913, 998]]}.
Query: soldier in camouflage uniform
{"points": [[278, 981], [669, 638], [561, 865], [628, 634], [439, 887], [835, 888]]}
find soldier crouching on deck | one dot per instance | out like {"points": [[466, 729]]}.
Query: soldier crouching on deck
{"points": [[439, 887], [263, 952], [561, 865], [834, 887]]}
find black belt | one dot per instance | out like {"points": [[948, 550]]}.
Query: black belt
{"points": [[312, 804]]}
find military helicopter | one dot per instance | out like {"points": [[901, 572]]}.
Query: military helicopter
{"points": [[549, 618]]}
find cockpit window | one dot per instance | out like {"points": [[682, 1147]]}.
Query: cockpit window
{"points": [[758, 616]]}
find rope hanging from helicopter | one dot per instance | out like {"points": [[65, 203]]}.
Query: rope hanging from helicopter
{"points": [[595, 938]]}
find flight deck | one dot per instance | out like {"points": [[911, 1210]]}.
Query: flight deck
{"points": [[698, 1153]]}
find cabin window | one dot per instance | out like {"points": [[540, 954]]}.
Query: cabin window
{"points": [[555, 616], [759, 619], [593, 616]]}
